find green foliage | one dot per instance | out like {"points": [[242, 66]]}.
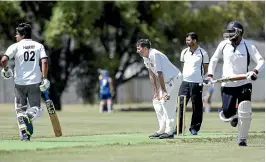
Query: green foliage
{"points": [[166, 29], [250, 13], [103, 34], [128, 11], [10, 10], [75, 19], [11, 15], [209, 22]]}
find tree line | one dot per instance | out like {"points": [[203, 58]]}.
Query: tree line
{"points": [[81, 37]]}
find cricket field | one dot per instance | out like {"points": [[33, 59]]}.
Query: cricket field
{"points": [[122, 136]]}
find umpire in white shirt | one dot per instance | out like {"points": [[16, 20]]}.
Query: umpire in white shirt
{"points": [[195, 62], [237, 53]]}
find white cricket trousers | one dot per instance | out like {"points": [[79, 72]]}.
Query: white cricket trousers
{"points": [[166, 110]]}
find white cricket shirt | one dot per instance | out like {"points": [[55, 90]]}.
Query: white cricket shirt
{"points": [[193, 69], [158, 61], [27, 54], [235, 60]]}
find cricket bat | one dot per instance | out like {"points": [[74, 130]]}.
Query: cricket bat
{"points": [[233, 78], [52, 113]]}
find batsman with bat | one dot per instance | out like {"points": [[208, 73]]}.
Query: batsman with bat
{"points": [[236, 53], [28, 78]]}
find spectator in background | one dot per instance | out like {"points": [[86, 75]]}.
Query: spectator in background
{"points": [[106, 91], [207, 99]]}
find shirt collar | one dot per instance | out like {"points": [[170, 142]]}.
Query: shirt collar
{"points": [[195, 49], [26, 40], [242, 41], [149, 52]]}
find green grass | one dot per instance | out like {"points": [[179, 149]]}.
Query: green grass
{"points": [[123, 136]]}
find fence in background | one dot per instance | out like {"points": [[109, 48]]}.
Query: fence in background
{"points": [[139, 89]]}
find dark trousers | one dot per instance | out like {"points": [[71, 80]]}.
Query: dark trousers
{"points": [[231, 94], [193, 91]]}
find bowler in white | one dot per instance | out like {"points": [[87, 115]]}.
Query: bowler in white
{"points": [[168, 77]]}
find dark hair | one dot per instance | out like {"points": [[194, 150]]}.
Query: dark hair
{"points": [[144, 43], [193, 35], [24, 29]]}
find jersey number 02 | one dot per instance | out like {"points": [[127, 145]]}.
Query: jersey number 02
{"points": [[29, 56]]}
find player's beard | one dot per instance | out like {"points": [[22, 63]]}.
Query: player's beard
{"points": [[191, 45]]}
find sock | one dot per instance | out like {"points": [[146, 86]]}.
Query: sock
{"points": [[101, 108], [109, 107]]}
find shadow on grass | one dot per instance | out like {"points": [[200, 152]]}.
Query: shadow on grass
{"points": [[187, 139], [147, 109]]}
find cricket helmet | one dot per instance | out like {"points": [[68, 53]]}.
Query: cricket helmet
{"points": [[233, 30]]}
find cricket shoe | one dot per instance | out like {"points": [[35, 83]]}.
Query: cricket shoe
{"points": [[242, 143], [193, 132], [175, 132], [155, 135], [234, 122], [166, 136], [29, 126], [25, 136]]}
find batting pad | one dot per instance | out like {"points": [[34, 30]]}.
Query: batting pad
{"points": [[34, 112], [157, 105], [21, 123], [19, 113], [244, 119]]}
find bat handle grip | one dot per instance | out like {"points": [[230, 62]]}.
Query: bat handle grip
{"points": [[46, 95]]}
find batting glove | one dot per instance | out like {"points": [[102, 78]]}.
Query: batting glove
{"points": [[208, 81], [252, 75], [45, 85], [6, 73]]}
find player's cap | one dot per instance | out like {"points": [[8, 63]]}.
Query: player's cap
{"points": [[105, 72]]}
